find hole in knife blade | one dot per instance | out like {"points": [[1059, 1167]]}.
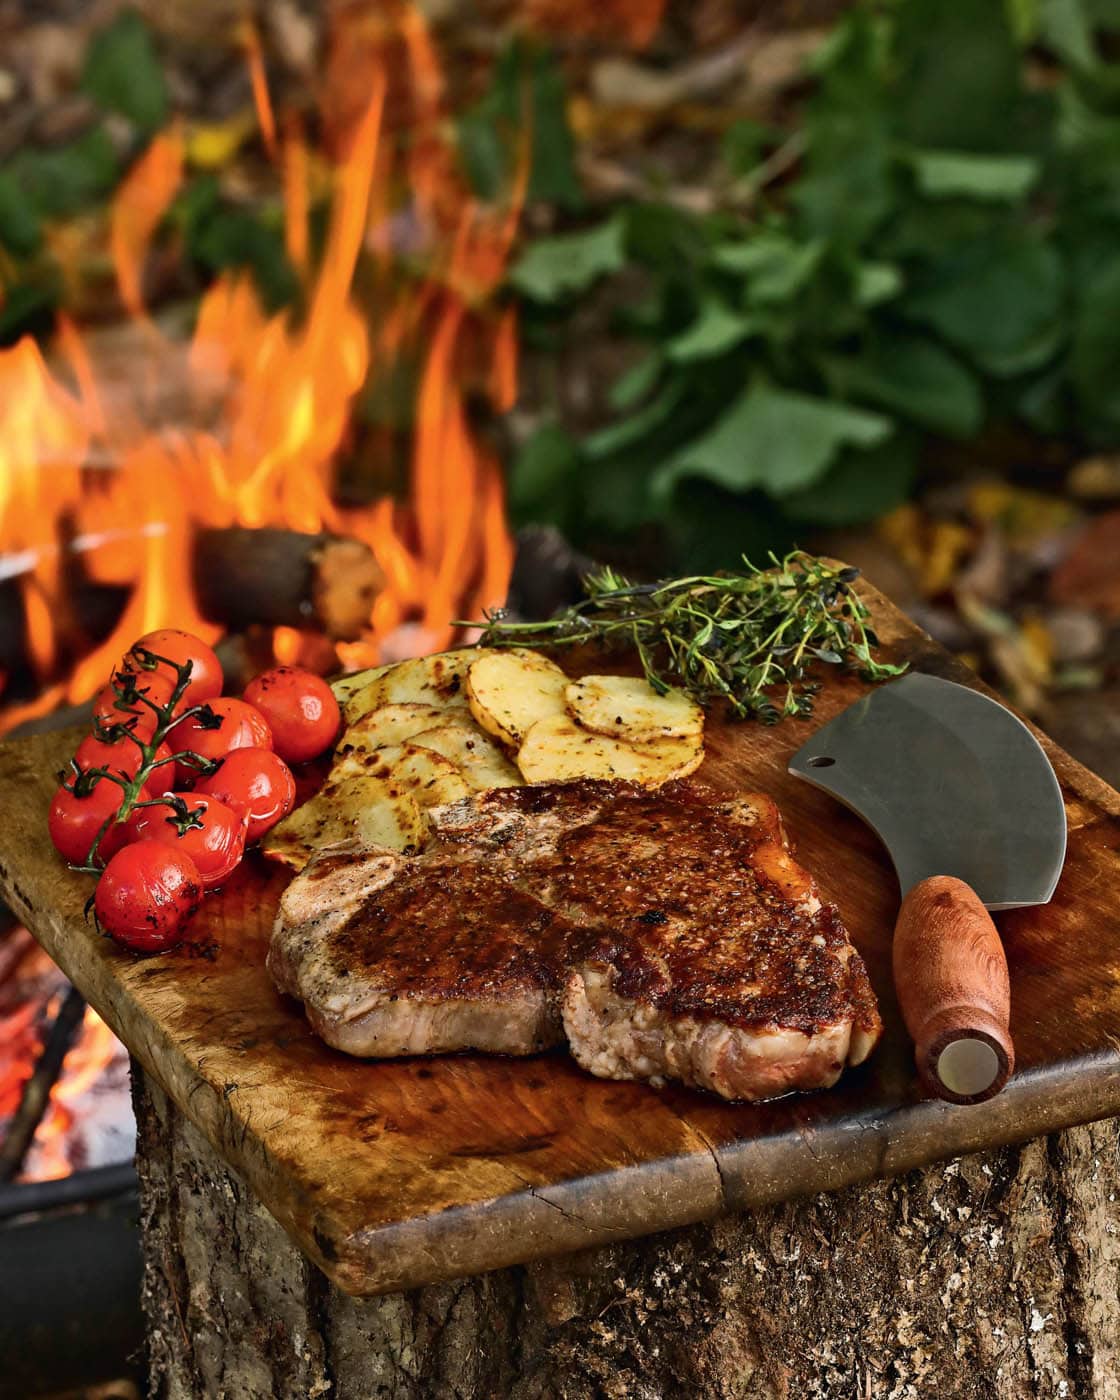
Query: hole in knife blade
{"points": [[821, 761]]}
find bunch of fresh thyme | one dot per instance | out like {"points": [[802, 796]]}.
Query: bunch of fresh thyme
{"points": [[748, 638]]}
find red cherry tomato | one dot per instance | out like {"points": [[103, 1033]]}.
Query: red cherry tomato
{"points": [[215, 843], [146, 894], [301, 709], [122, 755], [109, 707], [241, 727], [256, 783], [180, 647], [73, 821]]}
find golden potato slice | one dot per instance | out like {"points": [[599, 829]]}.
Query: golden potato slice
{"points": [[558, 750], [371, 811], [479, 759], [429, 777], [345, 688], [509, 691], [426, 680], [391, 724], [628, 707]]}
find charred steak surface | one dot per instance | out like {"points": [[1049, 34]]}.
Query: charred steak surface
{"points": [[665, 934]]}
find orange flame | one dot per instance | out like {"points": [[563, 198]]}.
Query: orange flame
{"points": [[273, 395]]}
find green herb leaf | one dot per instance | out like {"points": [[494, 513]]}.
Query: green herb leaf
{"points": [[863, 485], [123, 73], [541, 474], [716, 329], [773, 439], [999, 299], [19, 225], [554, 268], [635, 383], [949, 174], [911, 375]]}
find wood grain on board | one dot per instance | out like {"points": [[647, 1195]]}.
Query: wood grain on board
{"points": [[395, 1174]]}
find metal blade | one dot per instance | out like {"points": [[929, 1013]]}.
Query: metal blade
{"points": [[951, 782]]}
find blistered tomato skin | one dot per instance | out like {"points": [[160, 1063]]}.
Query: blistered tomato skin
{"points": [[242, 727], [122, 756], [300, 708], [215, 840], [145, 896], [257, 784], [73, 822], [178, 647]]}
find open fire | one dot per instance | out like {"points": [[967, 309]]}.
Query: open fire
{"points": [[91, 490]]}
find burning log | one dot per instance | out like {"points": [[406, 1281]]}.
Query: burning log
{"points": [[243, 577], [286, 579]]}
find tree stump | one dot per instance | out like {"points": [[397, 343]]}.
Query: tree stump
{"points": [[996, 1275]]}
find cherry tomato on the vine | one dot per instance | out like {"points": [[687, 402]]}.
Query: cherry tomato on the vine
{"points": [[180, 647], [300, 708], [110, 708], [256, 783], [121, 755], [73, 821], [241, 727], [215, 842], [146, 894]]}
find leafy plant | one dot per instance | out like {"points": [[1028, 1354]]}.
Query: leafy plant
{"points": [[946, 254]]}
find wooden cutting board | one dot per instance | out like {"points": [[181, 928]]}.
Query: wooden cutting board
{"points": [[392, 1175]]}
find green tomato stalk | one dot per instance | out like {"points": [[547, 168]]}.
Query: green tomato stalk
{"points": [[81, 781]]}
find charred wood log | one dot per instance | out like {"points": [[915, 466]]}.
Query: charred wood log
{"points": [[243, 577], [285, 578]]}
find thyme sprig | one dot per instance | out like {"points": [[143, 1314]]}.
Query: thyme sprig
{"points": [[750, 639]]}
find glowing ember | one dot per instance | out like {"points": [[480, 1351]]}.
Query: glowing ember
{"points": [[88, 1122], [275, 394]]}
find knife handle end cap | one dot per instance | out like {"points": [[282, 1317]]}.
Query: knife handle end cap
{"points": [[965, 1063], [951, 977]]}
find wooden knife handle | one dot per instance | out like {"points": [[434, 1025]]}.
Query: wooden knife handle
{"points": [[950, 974]]}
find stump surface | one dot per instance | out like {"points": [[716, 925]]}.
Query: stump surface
{"points": [[997, 1275]]}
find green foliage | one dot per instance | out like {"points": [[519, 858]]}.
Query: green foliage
{"points": [[525, 99], [945, 254], [122, 73], [219, 235], [553, 268]]}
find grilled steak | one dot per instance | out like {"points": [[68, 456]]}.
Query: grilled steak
{"points": [[665, 935]]}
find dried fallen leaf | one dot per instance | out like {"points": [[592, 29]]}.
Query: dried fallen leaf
{"points": [[1089, 576]]}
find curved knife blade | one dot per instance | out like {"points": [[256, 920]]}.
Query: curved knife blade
{"points": [[952, 783]]}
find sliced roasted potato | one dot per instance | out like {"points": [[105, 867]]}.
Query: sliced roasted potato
{"points": [[509, 691], [427, 680], [344, 688], [479, 759], [393, 724], [429, 777], [628, 707], [372, 811], [557, 749]]}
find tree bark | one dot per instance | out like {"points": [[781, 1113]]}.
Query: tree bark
{"points": [[996, 1275]]}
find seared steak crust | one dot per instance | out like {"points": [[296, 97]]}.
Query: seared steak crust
{"points": [[671, 932]]}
